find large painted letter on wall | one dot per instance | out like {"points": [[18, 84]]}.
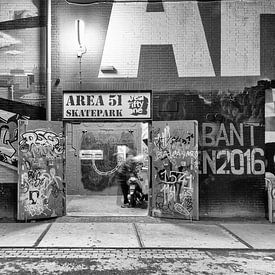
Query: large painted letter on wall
{"points": [[175, 169], [41, 191], [130, 26]]}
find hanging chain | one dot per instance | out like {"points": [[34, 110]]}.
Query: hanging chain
{"points": [[107, 173]]}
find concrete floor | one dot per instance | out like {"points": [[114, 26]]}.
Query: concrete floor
{"points": [[99, 205], [150, 235], [121, 235]]}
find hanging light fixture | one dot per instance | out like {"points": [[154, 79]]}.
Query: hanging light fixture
{"points": [[81, 49], [80, 29]]}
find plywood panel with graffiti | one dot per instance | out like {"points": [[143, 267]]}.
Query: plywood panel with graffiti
{"points": [[175, 169], [41, 191]]}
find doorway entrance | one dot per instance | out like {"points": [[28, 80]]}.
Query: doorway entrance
{"points": [[94, 153]]}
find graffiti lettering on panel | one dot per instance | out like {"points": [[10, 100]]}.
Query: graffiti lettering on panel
{"points": [[41, 184], [175, 165]]}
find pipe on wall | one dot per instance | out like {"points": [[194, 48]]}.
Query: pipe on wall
{"points": [[49, 72]]}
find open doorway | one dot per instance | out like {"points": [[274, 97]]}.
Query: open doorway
{"points": [[94, 154]]}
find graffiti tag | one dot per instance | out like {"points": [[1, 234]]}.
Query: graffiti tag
{"points": [[41, 143], [8, 139], [39, 185]]}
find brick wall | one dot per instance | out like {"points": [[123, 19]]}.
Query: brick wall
{"points": [[158, 71], [225, 188], [157, 68]]}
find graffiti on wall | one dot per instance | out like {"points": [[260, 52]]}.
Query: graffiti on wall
{"points": [[246, 106], [232, 153], [231, 127], [175, 166], [9, 137], [40, 184], [233, 150], [231, 136], [8, 140]]}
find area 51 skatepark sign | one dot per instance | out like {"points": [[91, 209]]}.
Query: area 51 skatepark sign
{"points": [[104, 105]]}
